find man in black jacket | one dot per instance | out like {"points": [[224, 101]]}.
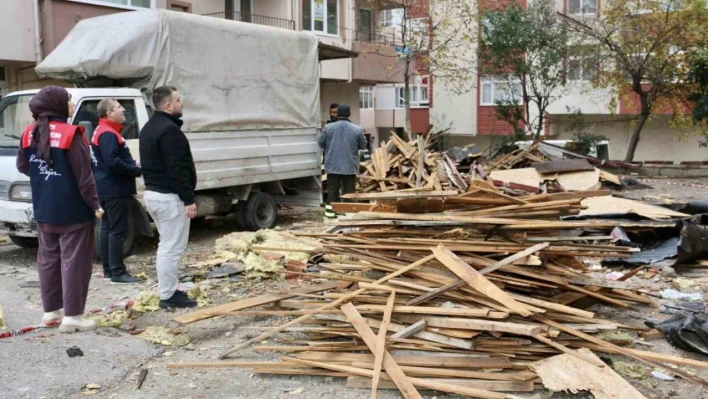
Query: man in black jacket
{"points": [[170, 180], [115, 171]]}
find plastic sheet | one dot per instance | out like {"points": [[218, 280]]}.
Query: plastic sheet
{"points": [[687, 331]]}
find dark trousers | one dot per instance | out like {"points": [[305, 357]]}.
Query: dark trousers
{"points": [[347, 184], [114, 231], [65, 262]]}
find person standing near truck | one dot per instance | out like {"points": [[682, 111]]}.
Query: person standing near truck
{"points": [[56, 157], [170, 180], [332, 113], [115, 171], [341, 142]]}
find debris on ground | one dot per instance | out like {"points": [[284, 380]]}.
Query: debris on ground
{"points": [[3, 325], [662, 376], [165, 336], [200, 294], [74, 351], [254, 251], [112, 319], [631, 370], [673, 294], [685, 331], [147, 301], [90, 389]]}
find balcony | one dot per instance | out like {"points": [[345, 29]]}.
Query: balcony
{"points": [[257, 19], [377, 61]]}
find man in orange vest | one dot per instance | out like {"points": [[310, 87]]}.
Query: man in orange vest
{"points": [[115, 171]]}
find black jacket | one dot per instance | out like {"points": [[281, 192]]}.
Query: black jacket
{"points": [[166, 158], [113, 166]]}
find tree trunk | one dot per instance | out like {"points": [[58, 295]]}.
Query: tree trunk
{"points": [[634, 141], [407, 104]]}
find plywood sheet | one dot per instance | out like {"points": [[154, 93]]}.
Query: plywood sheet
{"points": [[609, 204]]}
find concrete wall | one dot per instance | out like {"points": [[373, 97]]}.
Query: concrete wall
{"points": [[17, 35], [274, 8], [201, 7], [658, 142]]}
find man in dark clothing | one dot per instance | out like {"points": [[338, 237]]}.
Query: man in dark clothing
{"points": [[115, 172], [333, 113], [170, 180], [341, 142]]}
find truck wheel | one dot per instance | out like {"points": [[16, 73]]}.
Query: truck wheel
{"points": [[25, 242], [127, 245], [260, 212]]}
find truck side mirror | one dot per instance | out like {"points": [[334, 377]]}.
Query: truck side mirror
{"points": [[88, 129]]}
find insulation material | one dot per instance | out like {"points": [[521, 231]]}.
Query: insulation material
{"points": [[632, 370], [237, 246], [165, 336], [113, 319], [3, 326], [147, 301], [232, 75], [201, 295]]}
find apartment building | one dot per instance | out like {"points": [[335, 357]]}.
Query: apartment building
{"points": [[472, 115], [30, 29]]}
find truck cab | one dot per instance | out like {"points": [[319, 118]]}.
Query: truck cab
{"points": [[16, 213]]}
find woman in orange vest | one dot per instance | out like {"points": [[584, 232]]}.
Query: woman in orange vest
{"points": [[55, 155]]}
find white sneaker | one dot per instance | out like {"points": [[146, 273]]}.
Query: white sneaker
{"points": [[54, 316], [71, 324]]}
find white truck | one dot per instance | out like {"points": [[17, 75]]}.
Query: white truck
{"points": [[251, 96]]}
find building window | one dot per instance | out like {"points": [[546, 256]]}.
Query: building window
{"points": [[501, 91], [419, 94], [321, 16], [392, 17], [366, 97], [582, 7], [120, 3], [582, 69]]}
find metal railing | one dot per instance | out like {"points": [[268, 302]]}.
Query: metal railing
{"points": [[257, 19], [371, 36]]}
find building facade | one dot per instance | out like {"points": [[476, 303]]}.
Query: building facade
{"points": [[31, 29], [472, 116]]}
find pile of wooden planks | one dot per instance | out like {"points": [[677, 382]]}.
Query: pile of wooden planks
{"points": [[465, 301], [397, 164]]}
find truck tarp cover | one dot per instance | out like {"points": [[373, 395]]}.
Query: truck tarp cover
{"points": [[231, 75]]}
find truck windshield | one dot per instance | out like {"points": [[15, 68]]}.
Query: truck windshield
{"points": [[14, 117]]}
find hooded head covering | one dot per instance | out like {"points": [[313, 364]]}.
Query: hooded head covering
{"points": [[50, 102]]}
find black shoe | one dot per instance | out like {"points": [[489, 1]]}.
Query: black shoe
{"points": [[125, 278], [107, 275], [178, 300]]}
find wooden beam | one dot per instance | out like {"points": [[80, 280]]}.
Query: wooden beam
{"points": [[381, 343], [411, 330], [330, 305], [477, 281], [392, 368]]}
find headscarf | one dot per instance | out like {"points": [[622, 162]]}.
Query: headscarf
{"points": [[50, 102]]}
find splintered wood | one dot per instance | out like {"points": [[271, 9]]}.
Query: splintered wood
{"points": [[481, 298]]}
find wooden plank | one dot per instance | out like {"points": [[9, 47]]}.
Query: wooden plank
{"points": [[419, 382], [400, 194], [381, 343], [250, 303], [330, 305], [568, 373], [513, 258], [405, 386], [351, 207], [496, 386], [433, 360], [411, 330], [435, 293], [458, 312], [590, 359], [477, 281], [482, 325]]}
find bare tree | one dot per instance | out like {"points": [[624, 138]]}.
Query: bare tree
{"points": [[431, 37]]}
